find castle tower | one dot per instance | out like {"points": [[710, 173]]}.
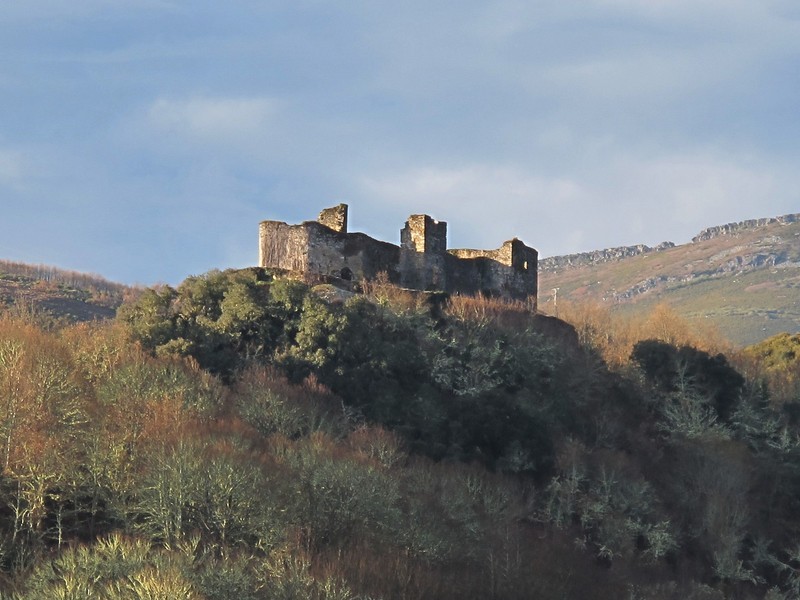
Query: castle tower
{"points": [[334, 218], [423, 246], [522, 278], [524, 260]]}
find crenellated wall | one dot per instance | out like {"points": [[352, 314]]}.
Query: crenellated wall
{"points": [[324, 249]]}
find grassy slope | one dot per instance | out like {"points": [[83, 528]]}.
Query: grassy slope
{"points": [[746, 306]]}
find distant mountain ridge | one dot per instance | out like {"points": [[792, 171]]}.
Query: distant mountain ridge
{"points": [[749, 225], [582, 259], [744, 277]]}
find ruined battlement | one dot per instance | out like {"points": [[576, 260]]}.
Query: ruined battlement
{"points": [[325, 249]]}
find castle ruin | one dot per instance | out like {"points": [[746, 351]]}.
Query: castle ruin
{"points": [[324, 250]]}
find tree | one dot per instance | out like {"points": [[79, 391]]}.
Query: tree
{"points": [[671, 369], [223, 319], [44, 409]]}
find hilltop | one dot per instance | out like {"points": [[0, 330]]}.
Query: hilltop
{"points": [[59, 294], [744, 278]]}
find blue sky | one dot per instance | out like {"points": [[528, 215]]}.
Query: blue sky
{"points": [[145, 139]]}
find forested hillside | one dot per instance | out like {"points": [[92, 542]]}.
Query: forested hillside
{"points": [[58, 295], [240, 437]]}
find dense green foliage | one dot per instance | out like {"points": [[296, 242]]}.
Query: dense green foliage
{"points": [[239, 437], [453, 388]]}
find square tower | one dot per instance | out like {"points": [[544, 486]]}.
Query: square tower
{"points": [[423, 246]]}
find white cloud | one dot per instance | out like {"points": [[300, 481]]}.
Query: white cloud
{"points": [[651, 50], [483, 204], [712, 13], [572, 124], [672, 197], [629, 200], [692, 188], [223, 119], [656, 74], [455, 187], [11, 168]]}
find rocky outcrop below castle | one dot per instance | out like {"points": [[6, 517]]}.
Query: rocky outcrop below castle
{"points": [[734, 228], [585, 259]]}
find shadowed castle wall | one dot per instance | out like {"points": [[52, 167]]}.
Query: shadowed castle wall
{"points": [[510, 271], [349, 256]]}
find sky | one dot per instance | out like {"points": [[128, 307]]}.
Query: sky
{"points": [[144, 140]]}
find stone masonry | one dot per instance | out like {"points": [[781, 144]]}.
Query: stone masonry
{"points": [[323, 250]]}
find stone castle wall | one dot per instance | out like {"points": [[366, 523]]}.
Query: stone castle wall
{"points": [[349, 256], [325, 249], [283, 246], [511, 270]]}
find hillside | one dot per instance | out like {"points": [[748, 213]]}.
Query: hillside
{"points": [[58, 294], [744, 278], [237, 436]]}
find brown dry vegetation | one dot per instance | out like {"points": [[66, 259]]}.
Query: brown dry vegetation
{"points": [[614, 336], [57, 296], [240, 438]]}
